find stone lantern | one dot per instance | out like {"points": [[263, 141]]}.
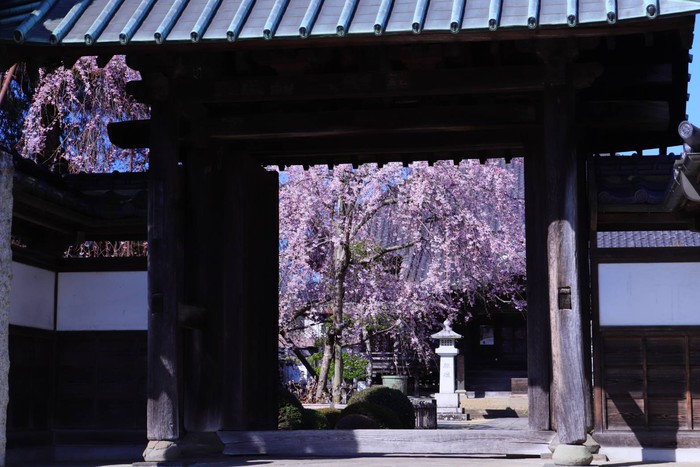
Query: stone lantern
{"points": [[447, 399]]}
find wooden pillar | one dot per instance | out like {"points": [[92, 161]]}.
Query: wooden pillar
{"points": [[570, 389], [203, 332], [251, 294], [165, 246], [539, 359]]}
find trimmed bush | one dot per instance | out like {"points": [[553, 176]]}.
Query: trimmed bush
{"points": [[290, 413], [384, 416], [332, 416], [392, 399], [313, 420], [356, 421], [289, 418]]}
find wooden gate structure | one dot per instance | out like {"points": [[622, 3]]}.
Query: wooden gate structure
{"points": [[235, 85]]}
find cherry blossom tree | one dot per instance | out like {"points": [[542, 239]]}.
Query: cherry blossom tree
{"points": [[65, 126], [403, 248]]}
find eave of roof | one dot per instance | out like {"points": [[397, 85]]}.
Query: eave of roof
{"points": [[111, 22]]}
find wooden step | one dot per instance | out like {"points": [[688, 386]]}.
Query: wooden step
{"points": [[334, 443]]}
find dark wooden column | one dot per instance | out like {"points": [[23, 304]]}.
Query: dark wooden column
{"points": [[539, 359], [250, 295], [570, 388], [203, 331], [165, 246]]}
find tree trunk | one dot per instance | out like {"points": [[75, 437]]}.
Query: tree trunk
{"points": [[366, 337], [6, 173], [328, 346], [338, 373], [342, 261]]}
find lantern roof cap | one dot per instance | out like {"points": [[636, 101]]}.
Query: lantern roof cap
{"points": [[446, 332]]}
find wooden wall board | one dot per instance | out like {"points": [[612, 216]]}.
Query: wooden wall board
{"points": [[649, 379]]}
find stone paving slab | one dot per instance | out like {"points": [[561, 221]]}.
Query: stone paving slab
{"points": [[372, 461]]}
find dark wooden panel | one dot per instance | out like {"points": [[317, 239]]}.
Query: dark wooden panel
{"points": [[101, 380], [625, 413], [668, 439], [669, 381], [29, 409], [623, 352], [655, 368], [665, 350], [671, 414], [696, 414], [624, 382], [694, 351], [695, 381]]}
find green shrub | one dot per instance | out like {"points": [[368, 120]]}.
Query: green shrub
{"points": [[313, 420], [384, 416], [354, 366], [355, 421], [332, 416], [290, 413], [289, 418], [393, 399], [285, 397]]}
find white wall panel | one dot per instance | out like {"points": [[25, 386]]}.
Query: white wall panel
{"points": [[102, 301], [32, 296], [649, 294]]}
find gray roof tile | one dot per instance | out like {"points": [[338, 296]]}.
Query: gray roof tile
{"points": [[649, 239], [35, 21]]}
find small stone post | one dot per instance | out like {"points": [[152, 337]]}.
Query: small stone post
{"points": [[447, 399]]}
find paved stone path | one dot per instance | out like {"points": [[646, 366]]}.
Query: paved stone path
{"points": [[384, 461]]}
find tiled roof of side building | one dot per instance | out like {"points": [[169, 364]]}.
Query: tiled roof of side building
{"points": [[649, 239], [81, 22]]}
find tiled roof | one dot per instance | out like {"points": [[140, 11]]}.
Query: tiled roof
{"points": [[79, 22], [648, 239], [633, 179]]}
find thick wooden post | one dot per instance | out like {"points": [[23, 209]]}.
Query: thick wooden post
{"points": [[570, 390], [164, 268], [250, 295], [539, 359]]}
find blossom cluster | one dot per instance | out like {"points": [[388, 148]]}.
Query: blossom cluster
{"points": [[425, 243], [66, 124]]}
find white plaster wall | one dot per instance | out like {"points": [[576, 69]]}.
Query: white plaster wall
{"points": [[649, 294], [32, 296], [102, 301]]}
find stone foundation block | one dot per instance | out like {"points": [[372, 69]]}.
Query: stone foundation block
{"points": [[570, 454], [161, 451]]}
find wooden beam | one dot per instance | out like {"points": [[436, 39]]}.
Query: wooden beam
{"points": [[344, 85], [625, 115], [471, 118], [382, 144], [630, 221], [362, 85]]}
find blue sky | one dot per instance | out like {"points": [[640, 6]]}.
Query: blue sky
{"points": [[693, 107]]}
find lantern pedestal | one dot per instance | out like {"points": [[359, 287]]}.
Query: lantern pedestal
{"points": [[447, 399]]}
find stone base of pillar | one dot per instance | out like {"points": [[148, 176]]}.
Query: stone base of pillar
{"points": [[161, 451], [447, 402], [572, 454], [590, 443]]}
